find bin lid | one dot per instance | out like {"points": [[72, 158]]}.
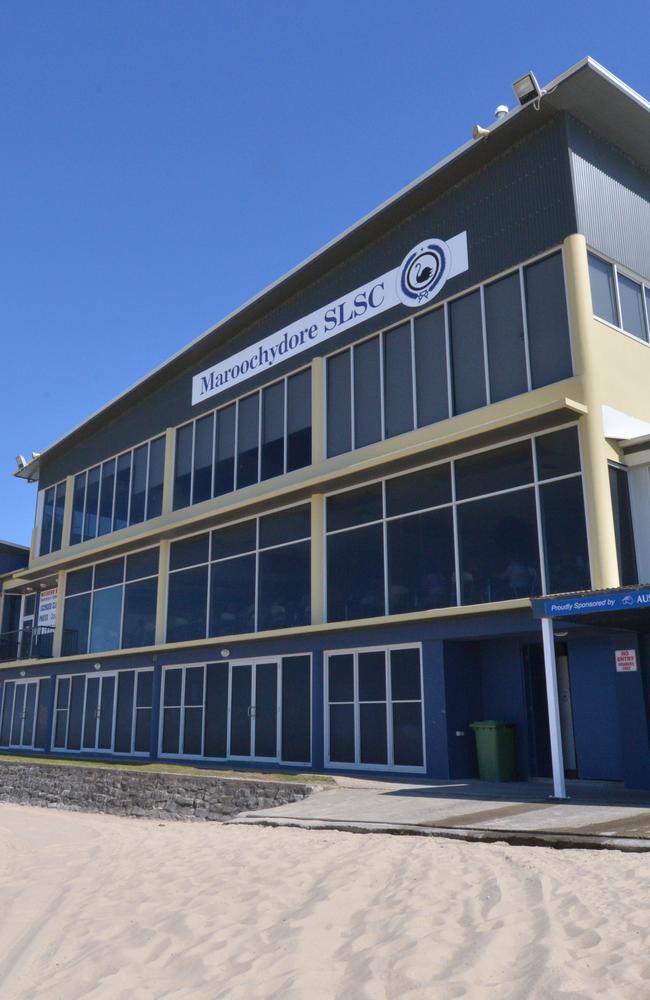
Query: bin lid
{"points": [[492, 724]]}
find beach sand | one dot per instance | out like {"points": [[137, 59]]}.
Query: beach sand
{"points": [[103, 907]]}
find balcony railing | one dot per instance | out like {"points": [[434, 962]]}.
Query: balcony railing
{"points": [[27, 643]]}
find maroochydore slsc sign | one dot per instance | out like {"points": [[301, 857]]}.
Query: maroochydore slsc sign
{"points": [[418, 279]]}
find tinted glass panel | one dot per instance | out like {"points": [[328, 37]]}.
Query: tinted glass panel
{"points": [[216, 710], [194, 686], [203, 446], [367, 393], [139, 626], [342, 734], [173, 686], [499, 555], [78, 581], [341, 677], [339, 404], [558, 454], [189, 551], [234, 540], [42, 712], [284, 587], [57, 527], [372, 676], [139, 484], [623, 526], [405, 674], [224, 463], [355, 574], [7, 713], [398, 381], [46, 521], [171, 730], [91, 713], [373, 739], [565, 536], [631, 298], [107, 619], [285, 526], [232, 596], [124, 711], [183, 466], [105, 727], [273, 430], [106, 498], [266, 710], [156, 475], [407, 734], [76, 617], [418, 490], [187, 604], [296, 709], [144, 688], [109, 573], [499, 469], [299, 420], [421, 569], [142, 742], [467, 363], [241, 698], [76, 709], [504, 325], [247, 440], [431, 368], [142, 564], [603, 297], [122, 491], [548, 325], [92, 503], [354, 507], [193, 732], [78, 496]]}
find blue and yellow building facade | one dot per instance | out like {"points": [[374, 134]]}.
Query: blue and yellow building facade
{"points": [[312, 537]]}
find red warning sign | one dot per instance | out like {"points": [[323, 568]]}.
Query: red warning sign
{"points": [[625, 661]]}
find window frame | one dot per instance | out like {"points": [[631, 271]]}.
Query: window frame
{"points": [[41, 511], [98, 673], [626, 272]]}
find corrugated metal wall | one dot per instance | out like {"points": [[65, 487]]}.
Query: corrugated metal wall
{"points": [[612, 198]]}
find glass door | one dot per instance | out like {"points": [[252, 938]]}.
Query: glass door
{"points": [[254, 711], [19, 714], [99, 712]]}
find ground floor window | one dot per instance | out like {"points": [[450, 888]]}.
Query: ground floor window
{"points": [[242, 710], [374, 708], [25, 705], [108, 713]]}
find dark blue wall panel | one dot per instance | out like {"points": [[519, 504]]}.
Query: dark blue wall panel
{"points": [[594, 698]]}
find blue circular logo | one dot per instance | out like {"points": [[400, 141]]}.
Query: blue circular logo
{"points": [[423, 272]]}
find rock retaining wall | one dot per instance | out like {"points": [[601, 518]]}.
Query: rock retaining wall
{"points": [[157, 795]]}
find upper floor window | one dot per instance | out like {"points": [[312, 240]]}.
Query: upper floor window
{"points": [[461, 532], [122, 491], [618, 298], [52, 519], [111, 605], [506, 337], [245, 577], [623, 525], [257, 437]]}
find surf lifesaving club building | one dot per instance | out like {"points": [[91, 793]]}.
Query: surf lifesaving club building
{"points": [[312, 537]]}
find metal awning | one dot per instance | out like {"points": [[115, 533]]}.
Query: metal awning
{"points": [[623, 608]]}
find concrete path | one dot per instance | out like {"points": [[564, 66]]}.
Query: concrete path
{"points": [[597, 815]]}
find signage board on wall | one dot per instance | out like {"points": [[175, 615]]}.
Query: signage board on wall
{"points": [[625, 661], [47, 607], [418, 280]]}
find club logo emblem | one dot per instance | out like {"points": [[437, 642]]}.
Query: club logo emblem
{"points": [[423, 272], [628, 600]]}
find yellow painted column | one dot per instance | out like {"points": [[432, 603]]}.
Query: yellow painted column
{"points": [[600, 517], [317, 559], [161, 601], [168, 478], [317, 410], [57, 639]]}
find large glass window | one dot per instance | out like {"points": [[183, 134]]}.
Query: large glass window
{"points": [[623, 526], [411, 542], [249, 576], [111, 605], [374, 709], [507, 337], [104, 712], [52, 519], [121, 491], [259, 436], [619, 299]]}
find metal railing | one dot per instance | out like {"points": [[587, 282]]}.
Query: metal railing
{"points": [[33, 643]]}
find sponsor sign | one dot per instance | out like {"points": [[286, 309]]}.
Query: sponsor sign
{"points": [[418, 279], [625, 661], [47, 607], [589, 604]]}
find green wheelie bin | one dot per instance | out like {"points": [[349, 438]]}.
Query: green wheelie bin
{"points": [[495, 749]]}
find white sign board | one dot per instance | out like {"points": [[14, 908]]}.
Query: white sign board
{"points": [[625, 661], [47, 607], [418, 280]]}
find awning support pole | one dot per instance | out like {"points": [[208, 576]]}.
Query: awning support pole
{"points": [[557, 755]]}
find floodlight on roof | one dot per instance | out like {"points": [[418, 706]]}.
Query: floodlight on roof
{"points": [[527, 89]]}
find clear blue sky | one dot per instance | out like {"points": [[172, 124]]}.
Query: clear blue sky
{"points": [[163, 161]]}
